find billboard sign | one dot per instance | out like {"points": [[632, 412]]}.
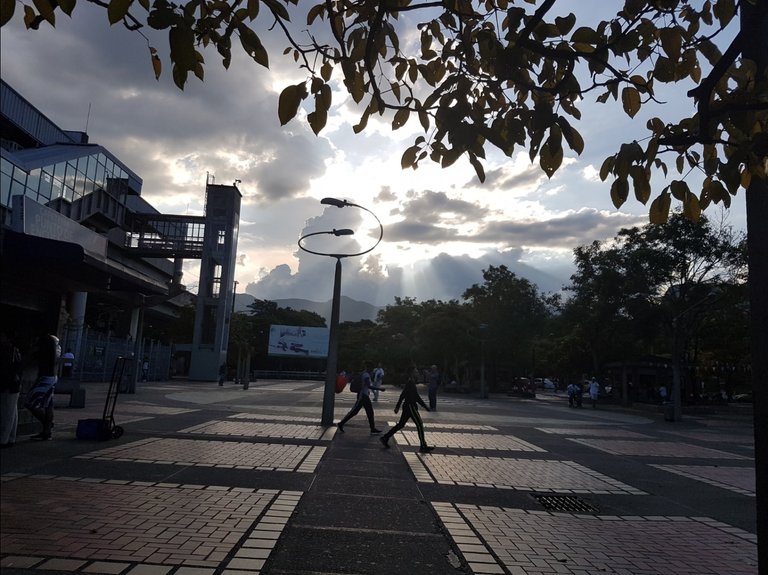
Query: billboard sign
{"points": [[298, 341]]}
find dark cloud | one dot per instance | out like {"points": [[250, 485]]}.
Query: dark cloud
{"points": [[577, 228], [503, 178]]}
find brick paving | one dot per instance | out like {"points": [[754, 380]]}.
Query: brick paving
{"points": [[117, 527], [131, 522], [525, 542], [737, 479], [518, 474], [656, 449], [470, 441], [254, 429], [224, 454]]}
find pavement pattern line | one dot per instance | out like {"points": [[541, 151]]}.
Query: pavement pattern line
{"points": [[590, 432], [138, 528], [454, 426], [656, 449], [269, 417], [715, 436], [565, 477], [471, 441], [476, 554], [539, 542], [149, 408], [257, 429], [209, 453], [740, 480]]}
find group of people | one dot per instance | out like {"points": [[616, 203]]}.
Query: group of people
{"points": [[39, 399], [576, 391], [409, 401]]}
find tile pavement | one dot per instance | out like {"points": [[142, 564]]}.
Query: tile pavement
{"points": [[206, 453], [656, 449], [499, 540], [105, 526], [740, 480]]}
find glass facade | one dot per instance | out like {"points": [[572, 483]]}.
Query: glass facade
{"points": [[70, 180]]}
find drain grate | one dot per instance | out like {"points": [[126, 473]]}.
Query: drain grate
{"points": [[565, 503]]}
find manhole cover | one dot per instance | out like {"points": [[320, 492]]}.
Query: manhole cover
{"points": [[566, 503]]}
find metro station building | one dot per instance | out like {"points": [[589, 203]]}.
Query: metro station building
{"points": [[85, 257]]}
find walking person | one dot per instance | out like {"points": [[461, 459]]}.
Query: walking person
{"points": [[594, 392], [571, 394], [10, 385], [433, 382], [410, 400], [363, 402], [378, 380], [40, 399]]}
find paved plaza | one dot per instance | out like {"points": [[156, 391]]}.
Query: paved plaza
{"points": [[211, 480]]}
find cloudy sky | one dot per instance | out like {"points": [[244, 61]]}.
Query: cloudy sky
{"points": [[441, 227]]}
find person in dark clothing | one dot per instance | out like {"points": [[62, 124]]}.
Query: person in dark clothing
{"points": [[410, 400], [363, 402], [40, 399], [10, 384]]}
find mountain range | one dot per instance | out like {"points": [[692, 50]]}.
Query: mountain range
{"points": [[349, 309]]}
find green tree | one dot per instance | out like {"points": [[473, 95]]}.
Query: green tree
{"points": [[515, 313], [655, 285]]}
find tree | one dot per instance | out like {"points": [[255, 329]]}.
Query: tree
{"points": [[504, 75], [514, 312], [673, 276]]}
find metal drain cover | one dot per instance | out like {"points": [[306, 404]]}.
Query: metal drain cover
{"points": [[565, 503]]}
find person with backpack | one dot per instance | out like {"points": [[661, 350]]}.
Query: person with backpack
{"points": [[410, 400], [361, 383]]}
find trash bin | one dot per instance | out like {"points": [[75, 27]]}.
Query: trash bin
{"points": [[669, 410]]}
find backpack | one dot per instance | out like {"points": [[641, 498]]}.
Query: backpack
{"points": [[356, 383]]}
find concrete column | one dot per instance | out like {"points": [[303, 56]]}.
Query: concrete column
{"points": [[76, 305]]}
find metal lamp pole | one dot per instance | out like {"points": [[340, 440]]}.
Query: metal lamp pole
{"points": [[329, 393]]}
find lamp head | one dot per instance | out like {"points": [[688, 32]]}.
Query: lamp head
{"points": [[334, 202], [343, 232]]}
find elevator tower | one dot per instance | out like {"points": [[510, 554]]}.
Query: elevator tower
{"points": [[215, 295]]}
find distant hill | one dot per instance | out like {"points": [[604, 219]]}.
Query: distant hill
{"points": [[349, 309]]}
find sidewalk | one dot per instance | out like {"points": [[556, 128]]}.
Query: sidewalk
{"points": [[210, 480]]}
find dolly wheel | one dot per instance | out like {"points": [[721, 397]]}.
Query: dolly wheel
{"points": [[117, 431]]}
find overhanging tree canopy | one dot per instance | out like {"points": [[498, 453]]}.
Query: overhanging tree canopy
{"points": [[501, 74]]}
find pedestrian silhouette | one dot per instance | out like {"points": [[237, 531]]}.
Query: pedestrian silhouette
{"points": [[410, 400], [363, 402]]}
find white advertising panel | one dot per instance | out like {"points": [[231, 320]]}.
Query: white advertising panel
{"points": [[296, 340]]}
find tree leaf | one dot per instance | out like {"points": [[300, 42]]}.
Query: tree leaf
{"points": [[289, 101], [157, 65], [659, 211], [408, 159], [401, 117], [317, 120], [7, 8], [630, 98], [691, 207], [679, 189], [641, 183], [478, 167], [252, 45], [46, 11], [117, 10], [67, 6], [619, 192]]}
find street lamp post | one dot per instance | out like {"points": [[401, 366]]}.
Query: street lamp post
{"points": [[333, 336]]}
